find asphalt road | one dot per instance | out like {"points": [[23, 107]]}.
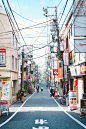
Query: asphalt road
{"points": [[40, 111]]}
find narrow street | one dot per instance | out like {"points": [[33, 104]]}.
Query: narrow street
{"points": [[40, 111]]}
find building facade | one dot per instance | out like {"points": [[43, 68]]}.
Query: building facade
{"points": [[8, 58], [75, 41]]}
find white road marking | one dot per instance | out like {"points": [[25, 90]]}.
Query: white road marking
{"points": [[41, 121], [41, 127], [29, 109], [15, 112], [71, 116]]}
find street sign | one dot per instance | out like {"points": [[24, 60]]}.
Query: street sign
{"points": [[2, 57], [55, 71]]}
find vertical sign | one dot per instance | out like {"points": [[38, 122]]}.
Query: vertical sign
{"points": [[65, 58], [65, 72], [72, 100], [24, 76], [2, 57], [0, 84], [60, 73]]}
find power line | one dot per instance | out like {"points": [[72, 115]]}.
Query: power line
{"points": [[23, 17], [59, 3], [63, 11], [41, 56], [10, 20], [15, 20], [39, 35]]}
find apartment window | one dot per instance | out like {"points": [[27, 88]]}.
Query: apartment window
{"points": [[71, 29], [69, 33], [16, 63], [80, 57], [16, 44], [12, 39], [12, 62]]}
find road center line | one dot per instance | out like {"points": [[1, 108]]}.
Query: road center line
{"points": [[15, 112], [71, 116]]}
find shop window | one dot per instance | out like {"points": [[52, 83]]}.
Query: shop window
{"points": [[80, 57]]}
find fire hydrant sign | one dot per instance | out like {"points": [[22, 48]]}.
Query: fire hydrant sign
{"points": [[72, 100]]}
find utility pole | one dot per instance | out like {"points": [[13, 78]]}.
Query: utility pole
{"points": [[22, 81]]}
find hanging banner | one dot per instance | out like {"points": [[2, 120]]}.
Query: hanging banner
{"points": [[60, 73], [72, 100], [5, 90], [2, 57]]}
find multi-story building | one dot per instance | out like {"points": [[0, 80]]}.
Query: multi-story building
{"points": [[8, 58], [76, 49]]}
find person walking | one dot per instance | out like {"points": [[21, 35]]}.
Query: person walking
{"points": [[22, 96], [34, 88], [42, 89], [37, 88]]}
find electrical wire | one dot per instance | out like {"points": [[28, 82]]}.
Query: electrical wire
{"points": [[15, 20], [23, 17], [59, 3], [39, 35], [63, 11]]}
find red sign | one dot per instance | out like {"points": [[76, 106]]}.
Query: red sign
{"points": [[75, 82], [29, 77], [2, 50], [55, 71]]}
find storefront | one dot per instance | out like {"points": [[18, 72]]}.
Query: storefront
{"points": [[76, 80], [78, 74]]}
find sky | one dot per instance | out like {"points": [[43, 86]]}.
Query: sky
{"points": [[37, 35]]}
